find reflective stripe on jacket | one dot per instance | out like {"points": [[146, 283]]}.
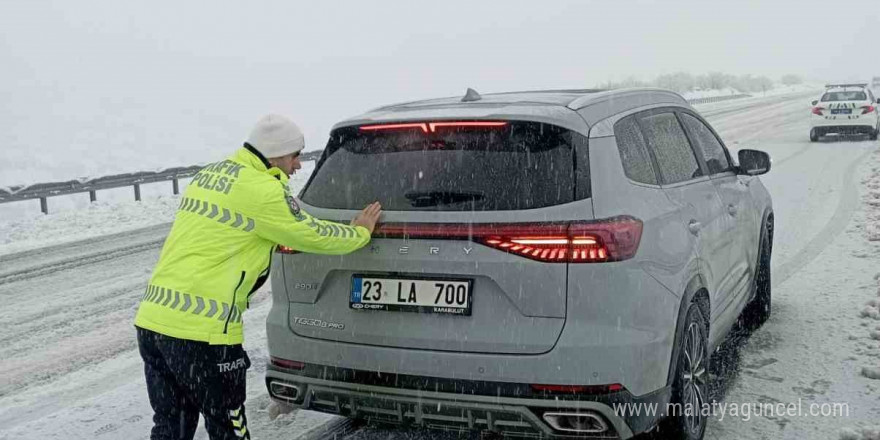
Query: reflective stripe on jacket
{"points": [[230, 218]]}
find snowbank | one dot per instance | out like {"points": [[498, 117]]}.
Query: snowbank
{"points": [[871, 311], [872, 200]]}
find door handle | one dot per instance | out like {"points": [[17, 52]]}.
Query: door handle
{"points": [[694, 226], [731, 209]]}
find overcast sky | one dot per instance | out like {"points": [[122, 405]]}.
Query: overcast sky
{"points": [[180, 78]]}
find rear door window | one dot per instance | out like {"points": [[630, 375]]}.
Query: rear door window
{"points": [[670, 146], [520, 165], [637, 163], [707, 143]]}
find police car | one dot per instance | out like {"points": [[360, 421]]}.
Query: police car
{"points": [[845, 109]]}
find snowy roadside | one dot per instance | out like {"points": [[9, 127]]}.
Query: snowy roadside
{"points": [[872, 202], [870, 314]]}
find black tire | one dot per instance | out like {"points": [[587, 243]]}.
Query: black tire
{"points": [[814, 135], [687, 419], [757, 312], [873, 135]]}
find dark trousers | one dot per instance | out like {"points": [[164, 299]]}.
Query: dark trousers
{"points": [[185, 378]]}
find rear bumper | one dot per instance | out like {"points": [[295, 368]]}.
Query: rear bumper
{"points": [[610, 337], [845, 124], [499, 412]]}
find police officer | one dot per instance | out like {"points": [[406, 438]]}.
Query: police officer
{"points": [[189, 325]]}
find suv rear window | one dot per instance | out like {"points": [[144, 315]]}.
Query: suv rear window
{"points": [[844, 96], [521, 165]]}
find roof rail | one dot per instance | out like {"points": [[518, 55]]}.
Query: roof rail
{"points": [[830, 86]]}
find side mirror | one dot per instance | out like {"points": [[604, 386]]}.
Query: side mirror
{"points": [[814, 102], [753, 162]]}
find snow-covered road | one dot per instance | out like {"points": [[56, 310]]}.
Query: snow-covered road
{"points": [[69, 366]]}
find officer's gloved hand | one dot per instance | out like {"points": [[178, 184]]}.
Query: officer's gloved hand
{"points": [[368, 217]]}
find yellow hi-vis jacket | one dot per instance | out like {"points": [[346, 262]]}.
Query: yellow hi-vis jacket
{"points": [[230, 219]]}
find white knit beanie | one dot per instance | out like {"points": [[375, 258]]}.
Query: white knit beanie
{"points": [[276, 136]]}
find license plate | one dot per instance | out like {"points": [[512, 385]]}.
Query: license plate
{"points": [[841, 111], [449, 296]]}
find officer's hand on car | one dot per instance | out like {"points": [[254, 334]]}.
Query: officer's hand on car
{"points": [[368, 217]]}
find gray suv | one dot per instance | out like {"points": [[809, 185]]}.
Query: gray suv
{"points": [[549, 264]]}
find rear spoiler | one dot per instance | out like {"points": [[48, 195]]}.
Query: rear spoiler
{"points": [[831, 86]]}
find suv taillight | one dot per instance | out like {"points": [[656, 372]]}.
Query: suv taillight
{"points": [[431, 127], [868, 109], [817, 111], [614, 239], [286, 363], [578, 389]]}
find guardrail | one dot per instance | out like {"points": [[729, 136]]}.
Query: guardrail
{"points": [[43, 191], [714, 99]]}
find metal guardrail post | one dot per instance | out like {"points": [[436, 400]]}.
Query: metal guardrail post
{"points": [[44, 205], [93, 196], [137, 192], [714, 99], [175, 186]]}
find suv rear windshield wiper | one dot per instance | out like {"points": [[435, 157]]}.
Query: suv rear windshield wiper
{"points": [[421, 199]]}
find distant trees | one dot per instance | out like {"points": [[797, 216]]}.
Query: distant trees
{"points": [[791, 80], [752, 84], [679, 82], [715, 81], [685, 82]]}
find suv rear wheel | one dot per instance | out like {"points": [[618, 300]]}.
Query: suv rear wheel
{"points": [[758, 310], [814, 135], [690, 387]]}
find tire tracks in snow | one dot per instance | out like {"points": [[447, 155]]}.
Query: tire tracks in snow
{"points": [[71, 337], [843, 212], [69, 308], [56, 318], [39, 262]]}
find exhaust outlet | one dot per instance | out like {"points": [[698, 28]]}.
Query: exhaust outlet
{"points": [[284, 391], [581, 422]]}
